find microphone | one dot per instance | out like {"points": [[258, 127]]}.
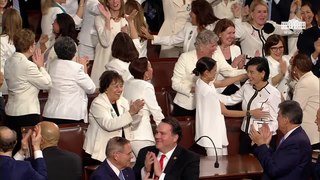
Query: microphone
{"points": [[216, 164]]}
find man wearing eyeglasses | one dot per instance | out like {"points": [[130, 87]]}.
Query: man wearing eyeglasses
{"points": [[118, 161]]}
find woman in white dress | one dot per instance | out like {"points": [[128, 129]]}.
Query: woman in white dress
{"points": [[210, 112], [278, 64], [141, 88], [108, 25]]}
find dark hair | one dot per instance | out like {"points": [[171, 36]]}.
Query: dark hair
{"points": [[313, 10], [204, 13], [115, 144], [106, 79], [273, 40], [7, 143], [262, 65], [138, 67], [175, 126], [221, 26], [23, 40], [123, 48], [65, 48], [302, 62], [204, 64], [291, 110], [67, 26]]}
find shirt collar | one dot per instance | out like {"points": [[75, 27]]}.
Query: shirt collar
{"points": [[288, 133], [114, 168], [168, 154]]}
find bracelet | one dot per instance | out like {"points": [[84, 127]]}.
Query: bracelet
{"points": [[81, 5]]}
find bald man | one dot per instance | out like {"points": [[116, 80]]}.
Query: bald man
{"points": [[12, 169], [61, 164]]}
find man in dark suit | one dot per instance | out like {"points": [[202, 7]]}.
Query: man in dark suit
{"points": [[167, 160], [61, 164], [292, 158], [117, 164], [12, 169], [309, 44], [316, 165]]}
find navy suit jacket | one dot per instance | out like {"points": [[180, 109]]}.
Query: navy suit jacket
{"points": [[16, 170], [62, 164], [104, 172], [183, 164], [291, 160]]}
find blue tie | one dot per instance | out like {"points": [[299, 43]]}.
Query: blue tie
{"points": [[121, 176]]}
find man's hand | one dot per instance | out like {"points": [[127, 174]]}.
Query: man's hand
{"points": [[148, 161], [156, 166], [262, 137], [24, 143], [36, 138]]}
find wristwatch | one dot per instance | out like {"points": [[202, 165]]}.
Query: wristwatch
{"points": [[248, 113]]}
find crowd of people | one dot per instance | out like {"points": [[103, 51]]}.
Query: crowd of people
{"points": [[234, 59]]}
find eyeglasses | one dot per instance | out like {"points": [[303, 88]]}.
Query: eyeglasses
{"points": [[274, 49]]}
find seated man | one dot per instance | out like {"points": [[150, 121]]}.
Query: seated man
{"points": [[117, 164], [61, 164], [292, 158], [12, 169], [167, 160]]}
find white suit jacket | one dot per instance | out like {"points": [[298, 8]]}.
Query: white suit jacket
{"points": [[68, 95], [306, 93], [183, 79], [105, 124], [24, 80], [6, 51], [139, 89], [88, 33], [120, 67], [187, 36], [209, 120]]}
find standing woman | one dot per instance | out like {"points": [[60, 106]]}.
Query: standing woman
{"points": [[256, 93], [110, 115], [278, 64], [24, 79], [306, 93], [108, 25], [140, 88], [3, 6], [202, 18], [209, 106]]}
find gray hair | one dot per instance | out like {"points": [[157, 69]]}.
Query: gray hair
{"points": [[205, 37]]}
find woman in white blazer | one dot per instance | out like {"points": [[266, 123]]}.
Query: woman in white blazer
{"points": [[278, 64], [108, 25], [110, 115], [201, 16], [67, 101], [256, 93], [183, 81], [141, 88], [49, 9], [123, 52], [210, 112], [24, 79], [306, 93], [228, 51]]}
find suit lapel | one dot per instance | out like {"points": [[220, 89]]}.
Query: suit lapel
{"points": [[110, 171], [174, 157]]}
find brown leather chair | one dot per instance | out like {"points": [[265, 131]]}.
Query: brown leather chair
{"points": [[162, 71]]}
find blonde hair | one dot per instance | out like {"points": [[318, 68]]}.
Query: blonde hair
{"points": [[11, 23], [139, 20], [121, 11], [45, 5], [253, 6]]}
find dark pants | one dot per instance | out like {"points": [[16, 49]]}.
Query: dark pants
{"points": [[180, 111], [62, 121], [17, 122], [245, 143], [2, 112]]}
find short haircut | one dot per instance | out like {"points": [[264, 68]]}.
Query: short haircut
{"points": [[302, 62], [123, 48], [273, 40], [205, 37], [175, 126], [23, 40], [262, 65], [7, 143], [115, 144], [138, 67], [204, 12], [204, 64], [221, 26], [106, 79], [291, 110], [65, 48]]}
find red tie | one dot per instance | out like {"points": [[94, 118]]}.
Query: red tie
{"points": [[161, 165]]}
